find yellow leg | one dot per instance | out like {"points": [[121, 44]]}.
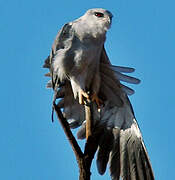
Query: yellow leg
{"points": [[98, 101], [82, 94]]}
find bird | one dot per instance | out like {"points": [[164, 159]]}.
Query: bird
{"points": [[80, 69]]}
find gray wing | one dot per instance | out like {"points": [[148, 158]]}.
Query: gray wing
{"points": [[110, 89], [116, 73], [120, 144], [60, 42], [128, 157], [125, 150], [63, 90]]}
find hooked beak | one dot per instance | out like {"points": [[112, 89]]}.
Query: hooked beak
{"points": [[110, 18]]}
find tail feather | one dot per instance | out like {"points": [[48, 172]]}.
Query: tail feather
{"points": [[114, 161], [131, 148], [125, 166], [81, 134], [105, 146], [147, 165], [135, 163], [140, 165]]}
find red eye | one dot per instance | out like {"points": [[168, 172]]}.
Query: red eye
{"points": [[98, 14]]}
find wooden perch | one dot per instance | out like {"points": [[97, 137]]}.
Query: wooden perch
{"points": [[76, 148], [84, 160], [89, 118]]}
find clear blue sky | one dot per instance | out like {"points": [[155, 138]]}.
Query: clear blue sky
{"points": [[142, 36]]}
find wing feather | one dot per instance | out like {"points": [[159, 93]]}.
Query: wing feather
{"points": [[105, 147], [114, 161], [125, 166], [125, 78], [134, 152], [127, 90], [60, 42], [122, 69]]}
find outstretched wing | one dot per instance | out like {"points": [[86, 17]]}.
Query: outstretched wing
{"points": [[128, 157], [107, 91], [125, 150]]}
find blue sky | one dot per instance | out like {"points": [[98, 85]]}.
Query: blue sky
{"points": [[142, 36]]}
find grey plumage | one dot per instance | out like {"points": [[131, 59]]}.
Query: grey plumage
{"points": [[105, 147], [114, 160], [78, 62], [122, 69]]}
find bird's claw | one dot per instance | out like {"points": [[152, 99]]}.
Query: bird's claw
{"points": [[98, 101], [93, 98], [82, 94]]}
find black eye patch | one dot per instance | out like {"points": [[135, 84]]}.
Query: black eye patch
{"points": [[98, 14]]}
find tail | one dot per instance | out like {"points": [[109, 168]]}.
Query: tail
{"points": [[121, 144], [129, 158]]}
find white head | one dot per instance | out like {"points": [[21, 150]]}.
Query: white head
{"points": [[99, 18]]}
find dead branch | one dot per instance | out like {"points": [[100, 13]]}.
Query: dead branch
{"points": [[84, 160]]}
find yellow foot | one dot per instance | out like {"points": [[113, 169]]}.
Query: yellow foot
{"points": [[98, 101], [82, 94]]}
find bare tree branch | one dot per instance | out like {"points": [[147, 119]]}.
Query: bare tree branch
{"points": [[84, 160], [76, 148]]}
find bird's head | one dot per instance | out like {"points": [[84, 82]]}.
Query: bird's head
{"points": [[98, 17]]}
